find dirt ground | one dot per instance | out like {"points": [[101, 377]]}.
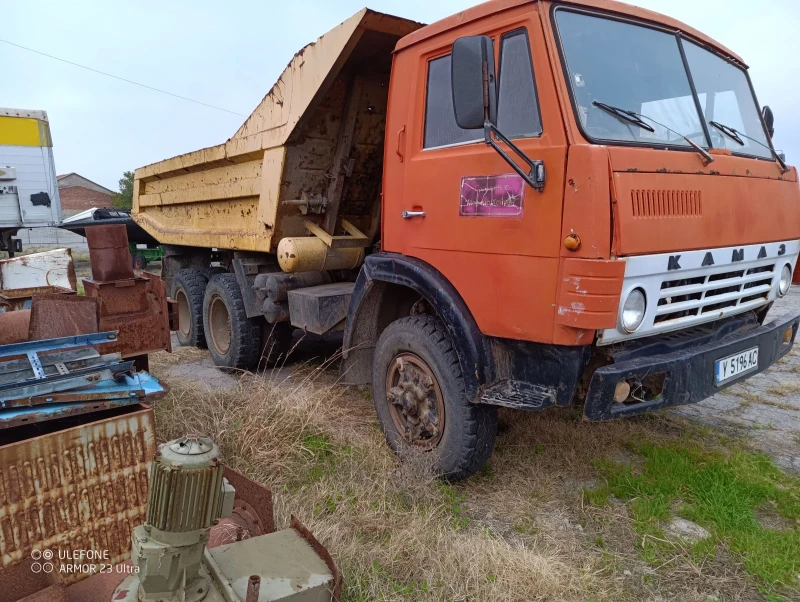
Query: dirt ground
{"points": [[544, 520]]}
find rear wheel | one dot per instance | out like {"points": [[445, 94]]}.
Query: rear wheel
{"points": [[420, 398], [188, 290], [234, 340]]}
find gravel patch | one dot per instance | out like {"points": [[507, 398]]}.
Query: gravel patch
{"points": [[764, 409]]}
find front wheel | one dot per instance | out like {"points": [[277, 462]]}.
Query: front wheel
{"points": [[420, 398]]}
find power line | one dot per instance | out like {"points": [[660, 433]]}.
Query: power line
{"points": [[50, 56]]}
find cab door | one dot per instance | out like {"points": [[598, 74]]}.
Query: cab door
{"points": [[469, 214]]}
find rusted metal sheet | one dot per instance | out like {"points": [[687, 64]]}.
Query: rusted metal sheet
{"points": [[14, 326], [51, 268], [137, 308], [55, 316], [82, 488], [253, 502], [323, 553], [109, 252], [22, 298]]}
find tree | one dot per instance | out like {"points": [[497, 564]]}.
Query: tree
{"points": [[124, 198]]}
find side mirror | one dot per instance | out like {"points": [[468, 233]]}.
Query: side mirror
{"points": [[769, 119], [473, 82]]}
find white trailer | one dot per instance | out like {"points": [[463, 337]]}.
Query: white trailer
{"points": [[28, 186]]}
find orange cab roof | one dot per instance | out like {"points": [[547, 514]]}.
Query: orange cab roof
{"points": [[492, 6]]}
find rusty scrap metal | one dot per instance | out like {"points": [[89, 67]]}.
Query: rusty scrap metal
{"points": [[14, 326], [253, 503], [49, 269], [323, 553], [58, 411], [55, 316], [17, 394], [109, 253], [61, 344], [21, 298], [253, 588], [138, 309], [76, 489]]}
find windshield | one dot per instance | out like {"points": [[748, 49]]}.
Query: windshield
{"points": [[726, 98], [641, 69]]}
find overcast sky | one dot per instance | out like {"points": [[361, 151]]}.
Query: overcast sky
{"points": [[230, 53]]}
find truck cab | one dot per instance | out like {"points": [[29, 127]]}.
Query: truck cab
{"points": [[528, 204], [603, 218]]}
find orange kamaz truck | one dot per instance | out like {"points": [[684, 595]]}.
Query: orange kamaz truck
{"points": [[527, 204]]}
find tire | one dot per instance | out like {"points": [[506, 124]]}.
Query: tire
{"points": [[209, 273], [234, 340], [467, 439], [188, 290], [139, 262]]}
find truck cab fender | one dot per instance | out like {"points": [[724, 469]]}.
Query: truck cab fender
{"points": [[386, 289]]}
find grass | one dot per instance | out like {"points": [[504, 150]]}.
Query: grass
{"points": [[722, 492], [539, 522]]}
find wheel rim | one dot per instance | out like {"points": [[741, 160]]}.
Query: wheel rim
{"points": [[220, 324], [415, 401], [184, 313]]}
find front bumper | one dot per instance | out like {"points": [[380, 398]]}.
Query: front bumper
{"points": [[688, 362]]}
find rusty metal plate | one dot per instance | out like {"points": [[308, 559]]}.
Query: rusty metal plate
{"points": [[137, 308], [14, 326], [109, 252], [19, 299], [83, 488], [52, 268], [56, 316]]}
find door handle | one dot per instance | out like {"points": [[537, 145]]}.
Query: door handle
{"points": [[410, 214], [401, 135]]}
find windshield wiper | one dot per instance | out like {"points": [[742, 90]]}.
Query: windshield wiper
{"points": [[625, 115], [728, 131], [636, 119], [737, 136]]}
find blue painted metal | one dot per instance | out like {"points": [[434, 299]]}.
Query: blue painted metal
{"points": [[131, 390], [81, 340]]}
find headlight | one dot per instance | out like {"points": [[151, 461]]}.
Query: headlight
{"points": [[633, 311], [786, 280]]}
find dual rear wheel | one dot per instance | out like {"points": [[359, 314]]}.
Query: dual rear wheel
{"points": [[211, 314]]}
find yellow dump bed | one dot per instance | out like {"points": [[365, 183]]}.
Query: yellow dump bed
{"points": [[323, 120]]}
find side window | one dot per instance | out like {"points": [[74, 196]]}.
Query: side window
{"points": [[440, 118], [517, 105]]}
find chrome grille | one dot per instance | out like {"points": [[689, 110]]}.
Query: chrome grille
{"points": [[685, 289], [687, 298]]}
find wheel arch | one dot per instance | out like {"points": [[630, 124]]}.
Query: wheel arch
{"points": [[387, 287]]}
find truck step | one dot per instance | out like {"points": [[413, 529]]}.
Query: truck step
{"points": [[519, 395], [320, 309]]}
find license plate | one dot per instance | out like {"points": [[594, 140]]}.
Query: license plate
{"points": [[736, 365]]}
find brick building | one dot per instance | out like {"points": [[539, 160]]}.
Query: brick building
{"points": [[79, 194]]}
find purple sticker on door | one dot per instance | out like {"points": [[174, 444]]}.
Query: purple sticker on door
{"points": [[492, 196]]}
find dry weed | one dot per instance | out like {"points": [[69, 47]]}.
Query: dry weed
{"points": [[517, 531]]}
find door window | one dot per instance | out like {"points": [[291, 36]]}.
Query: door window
{"points": [[518, 107], [441, 128]]}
